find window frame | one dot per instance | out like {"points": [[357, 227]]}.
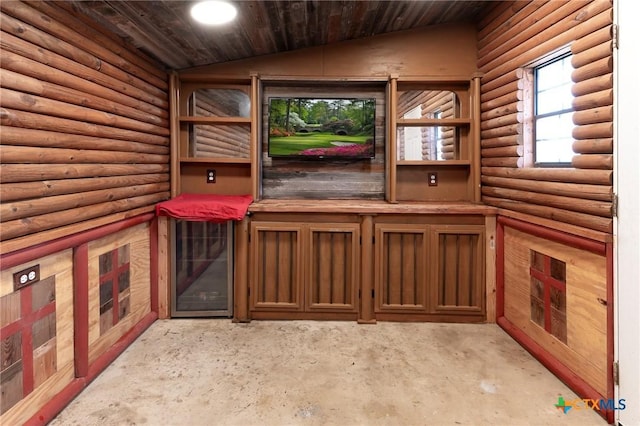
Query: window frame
{"points": [[548, 60]]}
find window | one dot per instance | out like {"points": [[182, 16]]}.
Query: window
{"points": [[437, 136], [413, 136], [553, 113]]}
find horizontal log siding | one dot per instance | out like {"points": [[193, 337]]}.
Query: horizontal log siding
{"points": [[518, 35], [592, 58], [85, 124]]}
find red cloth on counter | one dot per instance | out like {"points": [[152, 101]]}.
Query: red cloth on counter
{"points": [[205, 207]]}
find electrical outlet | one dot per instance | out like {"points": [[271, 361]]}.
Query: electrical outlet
{"points": [[432, 178], [211, 176], [26, 277]]}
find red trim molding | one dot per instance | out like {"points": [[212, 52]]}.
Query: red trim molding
{"points": [[575, 382], [154, 264], [58, 402], [499, 270], [81, 309], [112, 353], [27, 254], [571, 240]]}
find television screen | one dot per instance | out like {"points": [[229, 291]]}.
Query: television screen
{"points": [[314, 128]]}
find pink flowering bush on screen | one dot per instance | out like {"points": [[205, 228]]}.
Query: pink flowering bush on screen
{"points": [[355, 150]]}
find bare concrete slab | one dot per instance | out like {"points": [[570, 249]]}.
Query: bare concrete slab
{"points": [[214, 372]]}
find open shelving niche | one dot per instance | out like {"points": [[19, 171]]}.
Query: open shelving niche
{"points": [[216, 135], [433, 139]]}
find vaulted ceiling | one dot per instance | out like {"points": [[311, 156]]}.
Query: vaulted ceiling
{"points": [[164, 30]]}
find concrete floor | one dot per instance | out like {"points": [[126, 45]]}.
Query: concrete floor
{"points": [[213, 372]]}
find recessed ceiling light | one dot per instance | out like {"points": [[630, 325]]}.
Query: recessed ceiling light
{"points": [[213, 12]]}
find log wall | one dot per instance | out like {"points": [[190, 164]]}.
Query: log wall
{"points": [[510, 38], [85, 126]]}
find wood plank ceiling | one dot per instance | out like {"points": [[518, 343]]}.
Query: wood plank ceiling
{"points": [[164, 30]]}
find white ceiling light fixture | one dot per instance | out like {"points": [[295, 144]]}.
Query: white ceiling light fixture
{"points": [[213, 12]]}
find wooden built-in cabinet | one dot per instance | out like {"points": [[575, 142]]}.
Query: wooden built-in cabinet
{"points": [[367, 261], [304, 267], [332, 267], [424, 269], [276, 267], [412, 249], [457, 269], [401, 268]]}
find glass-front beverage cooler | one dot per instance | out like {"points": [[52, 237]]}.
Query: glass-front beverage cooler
{"points": [[202, 269]]}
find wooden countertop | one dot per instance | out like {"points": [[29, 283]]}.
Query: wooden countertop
{"points": [[369, 207]]}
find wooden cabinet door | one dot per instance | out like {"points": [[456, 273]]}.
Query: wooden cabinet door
{"points": [[457, 269], [333, 267], [276, 281], [401, 268]]}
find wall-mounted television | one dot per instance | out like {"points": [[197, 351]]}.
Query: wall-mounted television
{"points": [[321, 128]]}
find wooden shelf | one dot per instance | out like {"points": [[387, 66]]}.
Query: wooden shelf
{"points": [[445, 163], [372, 207], [213, 160], [449, 79], [214, 120], [444, 122]]}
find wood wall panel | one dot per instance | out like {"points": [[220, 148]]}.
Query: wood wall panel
{"points": [[230, 179], [452, 183], [324, 70], [76, 103], [529, 32], [585, 352], [137, 239], [52, 340], [412, 53]]}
